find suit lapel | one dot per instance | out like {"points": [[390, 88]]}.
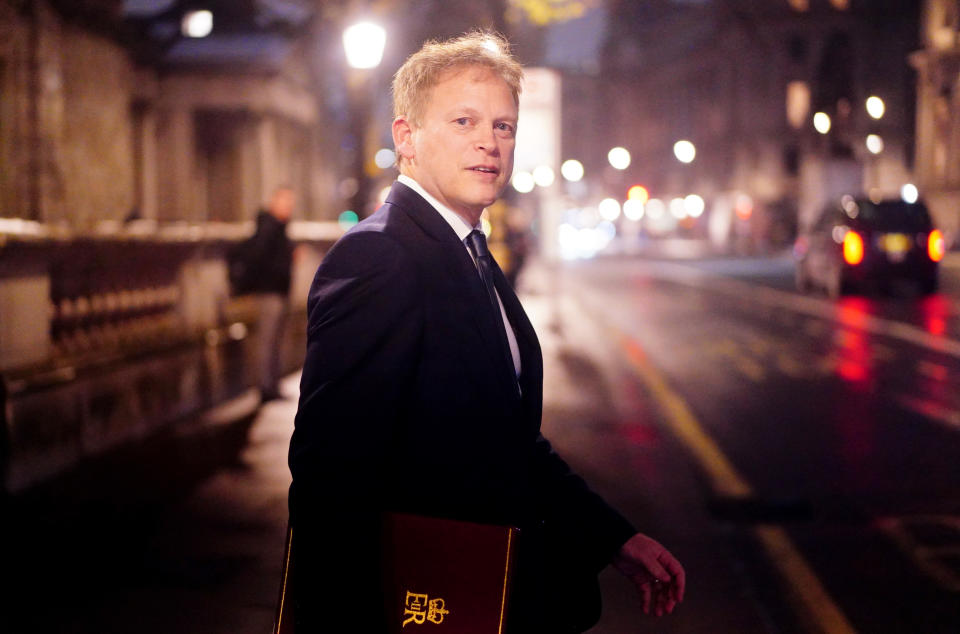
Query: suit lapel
{"points": [[461, 273]]}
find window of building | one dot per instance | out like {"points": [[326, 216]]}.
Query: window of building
{"points": [[798, 103]]}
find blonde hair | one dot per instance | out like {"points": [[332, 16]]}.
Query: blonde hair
{"points": [[424, 69]]}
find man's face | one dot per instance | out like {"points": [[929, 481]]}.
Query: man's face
{"points": [[281, 204], [462, 151]]}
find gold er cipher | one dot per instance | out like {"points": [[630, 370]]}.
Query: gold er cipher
{"points": [[420, 608]]}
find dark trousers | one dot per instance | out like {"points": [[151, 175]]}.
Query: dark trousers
{"points": [[273, 309]]}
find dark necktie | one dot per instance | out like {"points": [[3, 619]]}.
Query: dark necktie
{"points": [[477, 243]]}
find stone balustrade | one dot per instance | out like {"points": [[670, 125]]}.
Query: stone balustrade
{"points": [[110, 336]]}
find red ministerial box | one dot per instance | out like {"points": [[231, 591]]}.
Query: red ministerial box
{"points": [[445, 576]]}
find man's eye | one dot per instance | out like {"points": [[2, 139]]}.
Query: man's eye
{"points": [[462, 121], [504, 127]]}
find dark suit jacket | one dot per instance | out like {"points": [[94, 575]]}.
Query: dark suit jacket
{"points": [[408, 403]]}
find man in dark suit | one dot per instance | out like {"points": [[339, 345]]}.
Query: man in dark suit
{"points": [[422, 385]]}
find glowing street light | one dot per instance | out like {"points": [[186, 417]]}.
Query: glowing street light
{"points": [[572, 170], [909, 193], [384, 158], [609, 209], [523, 182], [619, 158], [543, 176], [638, 192], [876, 107], [196, 23], [684, 151], [694, 205], [633, 209], [678, 209], [821, 122], [364, 43], [875, 143]]}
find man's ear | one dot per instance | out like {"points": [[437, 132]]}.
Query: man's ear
{"points": [[403, 138]]}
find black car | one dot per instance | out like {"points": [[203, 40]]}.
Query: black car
{"points": [[857, 243]]}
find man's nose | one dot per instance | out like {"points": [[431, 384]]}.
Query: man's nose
{"points": [[486, 140]]}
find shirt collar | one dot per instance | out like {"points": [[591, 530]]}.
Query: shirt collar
{"points": [[458, 224]]}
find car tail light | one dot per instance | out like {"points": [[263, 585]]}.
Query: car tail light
{"points": [[935, 247], [852, 248]]}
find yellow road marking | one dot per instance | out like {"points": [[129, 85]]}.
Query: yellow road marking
{"points": [[815, 604], [724, 477]]}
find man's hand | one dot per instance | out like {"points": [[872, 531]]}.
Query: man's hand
{"points": [[659, 577]]}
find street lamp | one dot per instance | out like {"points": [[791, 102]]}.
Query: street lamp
{"points": [[619, 158], [363, 44], [685, 151], [523, 182], [196, 24], [875, 107], [543, 176], [572, 170], [609, 209], [821, 122]]}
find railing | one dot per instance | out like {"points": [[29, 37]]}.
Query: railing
{"points": [[106, 337]]}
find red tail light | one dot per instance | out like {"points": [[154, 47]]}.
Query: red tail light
{"points": [[935, 246], [852, 248]]}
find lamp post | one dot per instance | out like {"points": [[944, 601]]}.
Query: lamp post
{"points": [[363, 44]]}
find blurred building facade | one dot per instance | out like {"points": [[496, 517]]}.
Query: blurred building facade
{"points": [[130, 157], [938, 112], [108, 111], [741, 80]]}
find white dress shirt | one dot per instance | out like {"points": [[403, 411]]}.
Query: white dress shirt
{"points": [[462, 229]]}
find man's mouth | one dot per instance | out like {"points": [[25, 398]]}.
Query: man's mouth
{"points": [[484, 169]]}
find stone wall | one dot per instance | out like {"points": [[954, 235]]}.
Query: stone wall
{"points": [[107, 340], [65, 120], [97, 142]]}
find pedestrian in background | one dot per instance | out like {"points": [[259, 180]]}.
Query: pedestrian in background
{"points": [[423, 380], [267, 259]]}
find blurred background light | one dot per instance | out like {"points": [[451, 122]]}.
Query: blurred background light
{"points": [[523, 182], [609, 209], [909, 193], [694, 205], [821, 122], [655, 208], [572, 170], [798, 103], [638, 192], [619, 158], [633, 209], [384, 158], [363, 43], [347, 219], [196, 23], [678, 209], [876, 107], [874, 143], [744, 207], [543, 176], [684, 151]]}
